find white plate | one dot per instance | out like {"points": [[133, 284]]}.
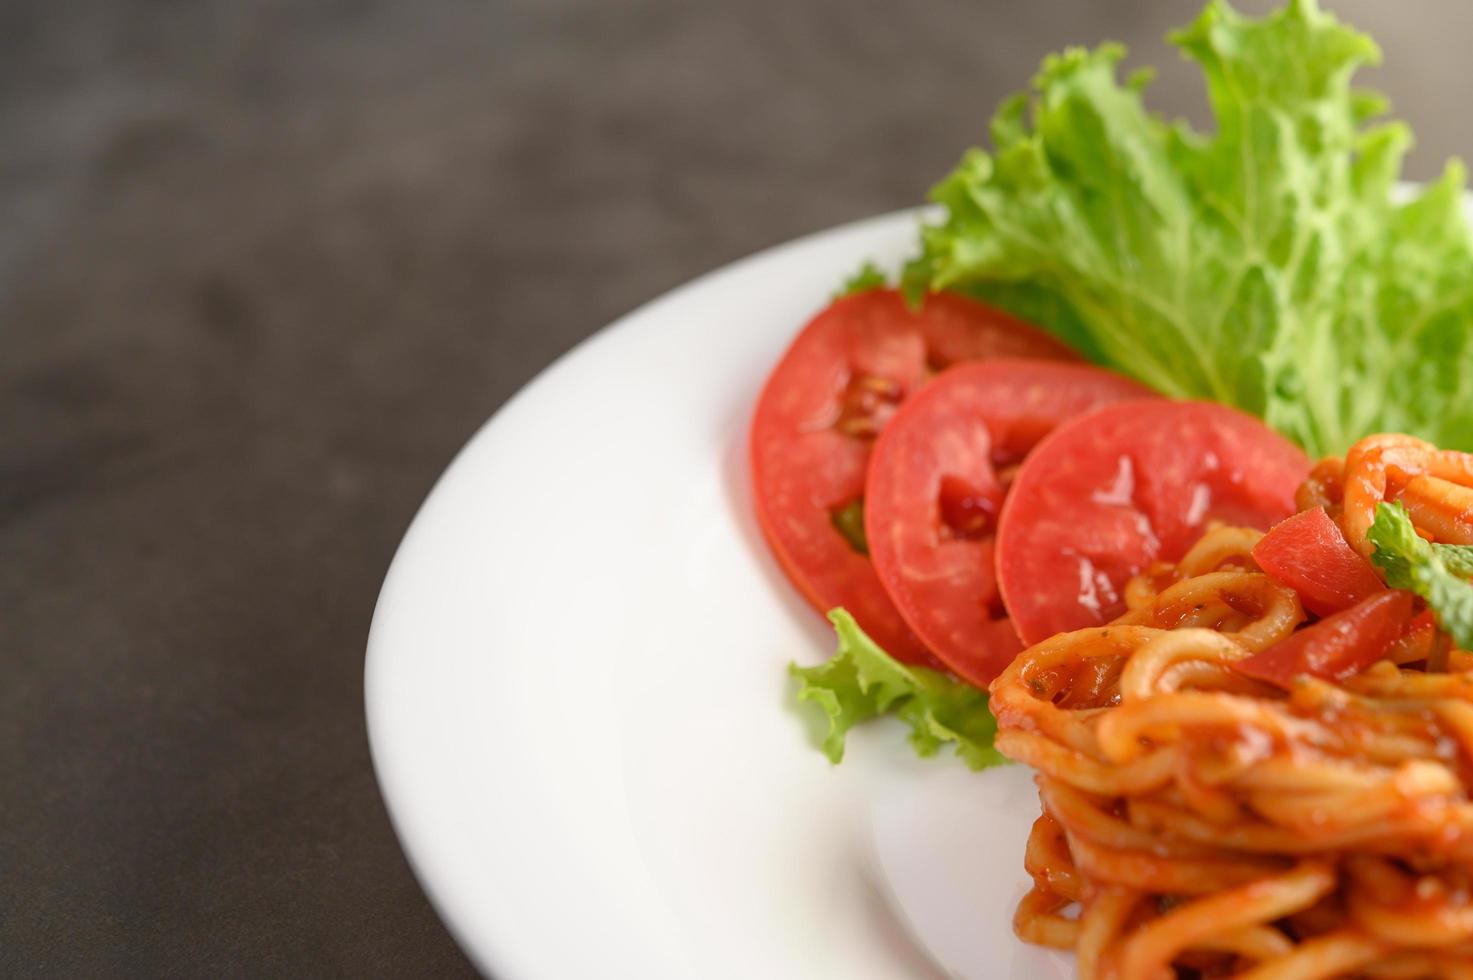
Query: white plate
{"points": [[577, 697]]}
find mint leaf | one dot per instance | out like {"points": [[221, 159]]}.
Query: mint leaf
{"points": [[1437, 573], [861, 681], [1458, 558]]}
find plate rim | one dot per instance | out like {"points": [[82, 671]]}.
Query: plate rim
{"points": [[490, 950], [493, 955]]}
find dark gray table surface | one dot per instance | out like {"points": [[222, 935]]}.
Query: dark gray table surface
{"points": [[264, 267]]}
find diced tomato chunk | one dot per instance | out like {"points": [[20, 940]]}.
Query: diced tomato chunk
{"points": [[1419, 642], [1337, 646], [1308, 553]]}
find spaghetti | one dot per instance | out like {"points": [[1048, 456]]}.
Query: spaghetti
{"points": [[1199, 822]]}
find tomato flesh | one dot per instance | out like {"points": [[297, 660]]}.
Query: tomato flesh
{"points": [[1308, 553], [934, 495], [1419, 642], [834, 390], [966, 510], [1337, 646], [1110, 492]]}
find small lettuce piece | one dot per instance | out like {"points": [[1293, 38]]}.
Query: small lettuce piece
{"points": [[1269, 263], [868, 277], [1437, 573], [862, 681]]}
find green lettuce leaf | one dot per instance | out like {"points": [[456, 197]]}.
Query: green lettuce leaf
{"points": [[1437, 573], [1269, 264], [862, 681], [868, 277]]}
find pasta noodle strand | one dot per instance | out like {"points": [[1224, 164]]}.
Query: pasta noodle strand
{"points": [[1198, 822]]}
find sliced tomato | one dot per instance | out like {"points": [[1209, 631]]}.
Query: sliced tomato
{"points": [[1337, 646], [1308, 553], [1419, 642], [934, 495], [1107, 493], [829, 396]]}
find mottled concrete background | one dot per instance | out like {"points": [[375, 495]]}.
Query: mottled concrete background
{"points": [[264, 266]]}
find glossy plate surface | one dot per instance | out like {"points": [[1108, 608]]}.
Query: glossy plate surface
{"points": [[577, 697]]}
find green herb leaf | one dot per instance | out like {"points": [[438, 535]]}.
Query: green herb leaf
{"points": [[868, 277], [1457, 558], [849, 522], [861, 681], [1269, 264], [1437, 573]]}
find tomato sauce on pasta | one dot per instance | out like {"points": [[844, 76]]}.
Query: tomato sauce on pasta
{"points": [[1200, 821]]}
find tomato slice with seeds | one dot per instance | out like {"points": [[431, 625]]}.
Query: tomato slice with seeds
{"points": [[1108, 493], [842, 379], [936, 485]]}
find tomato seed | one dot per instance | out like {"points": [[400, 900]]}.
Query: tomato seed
{"points": [[867, 404], [966, 511]]}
